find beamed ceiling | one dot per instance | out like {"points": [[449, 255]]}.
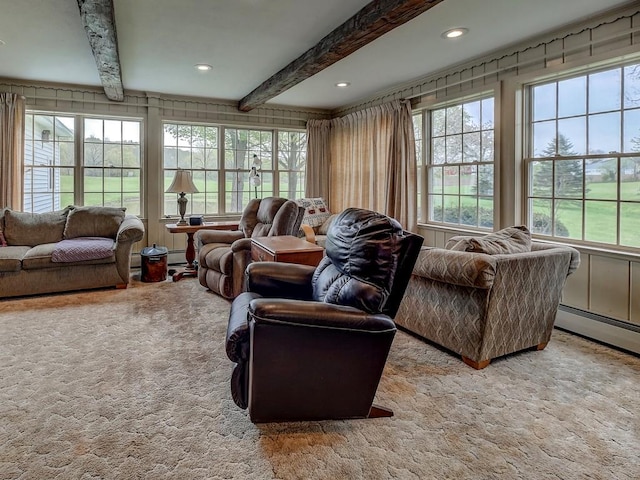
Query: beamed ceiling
{"points": [[286, 52]]}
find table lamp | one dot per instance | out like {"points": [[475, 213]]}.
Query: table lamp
{"points": [[182, 184]]}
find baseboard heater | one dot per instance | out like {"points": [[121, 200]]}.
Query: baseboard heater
{"points": [[616, 333]]}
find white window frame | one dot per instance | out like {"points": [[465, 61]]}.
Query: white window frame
{"points": [[582, 160]]}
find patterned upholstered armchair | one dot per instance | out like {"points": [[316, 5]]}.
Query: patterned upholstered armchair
{"points": [[484, 306]]}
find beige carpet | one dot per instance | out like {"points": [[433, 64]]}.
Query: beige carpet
{"points": [[120, 384]]}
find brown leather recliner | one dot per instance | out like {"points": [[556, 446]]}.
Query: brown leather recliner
{"points": [[310, 343], [223, 255]]}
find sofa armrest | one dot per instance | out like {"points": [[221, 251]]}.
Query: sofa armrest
{"points": [[241, 244], [203, 237], [305, 314], [280, 280], [308, 233], [131, 230], [465, 269]]}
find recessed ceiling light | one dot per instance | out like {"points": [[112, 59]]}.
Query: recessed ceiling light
{"points": [[455, 32], [203, 67], [342, 84]]}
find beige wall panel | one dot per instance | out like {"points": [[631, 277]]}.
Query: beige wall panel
{"points": [[609, 287], [576, 290], [577, 46], [635, 293], [531, 60], [429, 236], [607, 37]]}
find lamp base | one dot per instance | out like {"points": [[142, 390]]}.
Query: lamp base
{"points": [[182, 221]]}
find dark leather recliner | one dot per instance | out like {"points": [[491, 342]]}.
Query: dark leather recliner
{"points": [[310, 343], [223, 255]]}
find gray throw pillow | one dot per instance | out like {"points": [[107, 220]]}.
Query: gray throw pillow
{"points": [[94, 222], [509, 240], [31, 229]]}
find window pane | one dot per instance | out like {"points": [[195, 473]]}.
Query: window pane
{"points": [[452, 180], [568, 219], [540, 216], [438, 122], [630, 224], [605, 91], [487, 113], [573, 133], [540, 178], [630, 182], [469, 180], [436, 177], [112, 131], [487, 146], [435, 208], [485, 180], [572, 97], [454, 119], [604, 133], [439, 150], [471, 147], [131, 132], [602, 177], [544, 139], [568, 178], [469, 211], [544, 102], [471, 117], [600, 221], [92, 130], [454, 148], [631, 131], [451, 206]]}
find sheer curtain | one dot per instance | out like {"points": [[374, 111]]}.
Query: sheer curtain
{"points": [[373, 161], [12, 109]]}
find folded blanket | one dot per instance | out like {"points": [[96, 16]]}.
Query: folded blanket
{"points": [[82, 248]]}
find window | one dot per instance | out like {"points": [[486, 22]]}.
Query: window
{"points": [[460, 167], [417, 133], [49, 162], [224, 187], [583, 165], [106, 173]]}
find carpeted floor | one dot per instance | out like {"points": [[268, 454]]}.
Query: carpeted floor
{"points": [[120, 384]]}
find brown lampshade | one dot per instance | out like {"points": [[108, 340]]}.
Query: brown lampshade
{"points": [[182, 183]]}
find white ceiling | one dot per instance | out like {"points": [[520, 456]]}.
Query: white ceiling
{"points": [[247, 41]]}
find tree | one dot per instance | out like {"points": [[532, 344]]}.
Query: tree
{"points": [[558, 178], [567, 181]]}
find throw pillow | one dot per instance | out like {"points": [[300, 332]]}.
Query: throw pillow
{"points": [[509, 240], [31, 229], [94, 222], [315, 211]]}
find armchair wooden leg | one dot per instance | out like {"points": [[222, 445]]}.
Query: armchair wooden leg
{"points": [[379, 412], [541, 346], [477, 365]]}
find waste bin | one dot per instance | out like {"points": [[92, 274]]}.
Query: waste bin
{"points": [[154, 264]]}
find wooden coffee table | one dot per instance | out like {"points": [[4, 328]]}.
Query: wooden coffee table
{"points": [[190, 270], [285, 248]]}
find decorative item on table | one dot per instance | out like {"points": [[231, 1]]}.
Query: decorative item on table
{"points": [[195, 220], [254, 176], [182, 184]]}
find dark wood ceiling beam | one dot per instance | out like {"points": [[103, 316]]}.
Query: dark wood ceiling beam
{"points": [[99, 22], [371, 22]]}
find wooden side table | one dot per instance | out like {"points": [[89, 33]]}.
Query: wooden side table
{"points": [[190, 270], [285, 248]]}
